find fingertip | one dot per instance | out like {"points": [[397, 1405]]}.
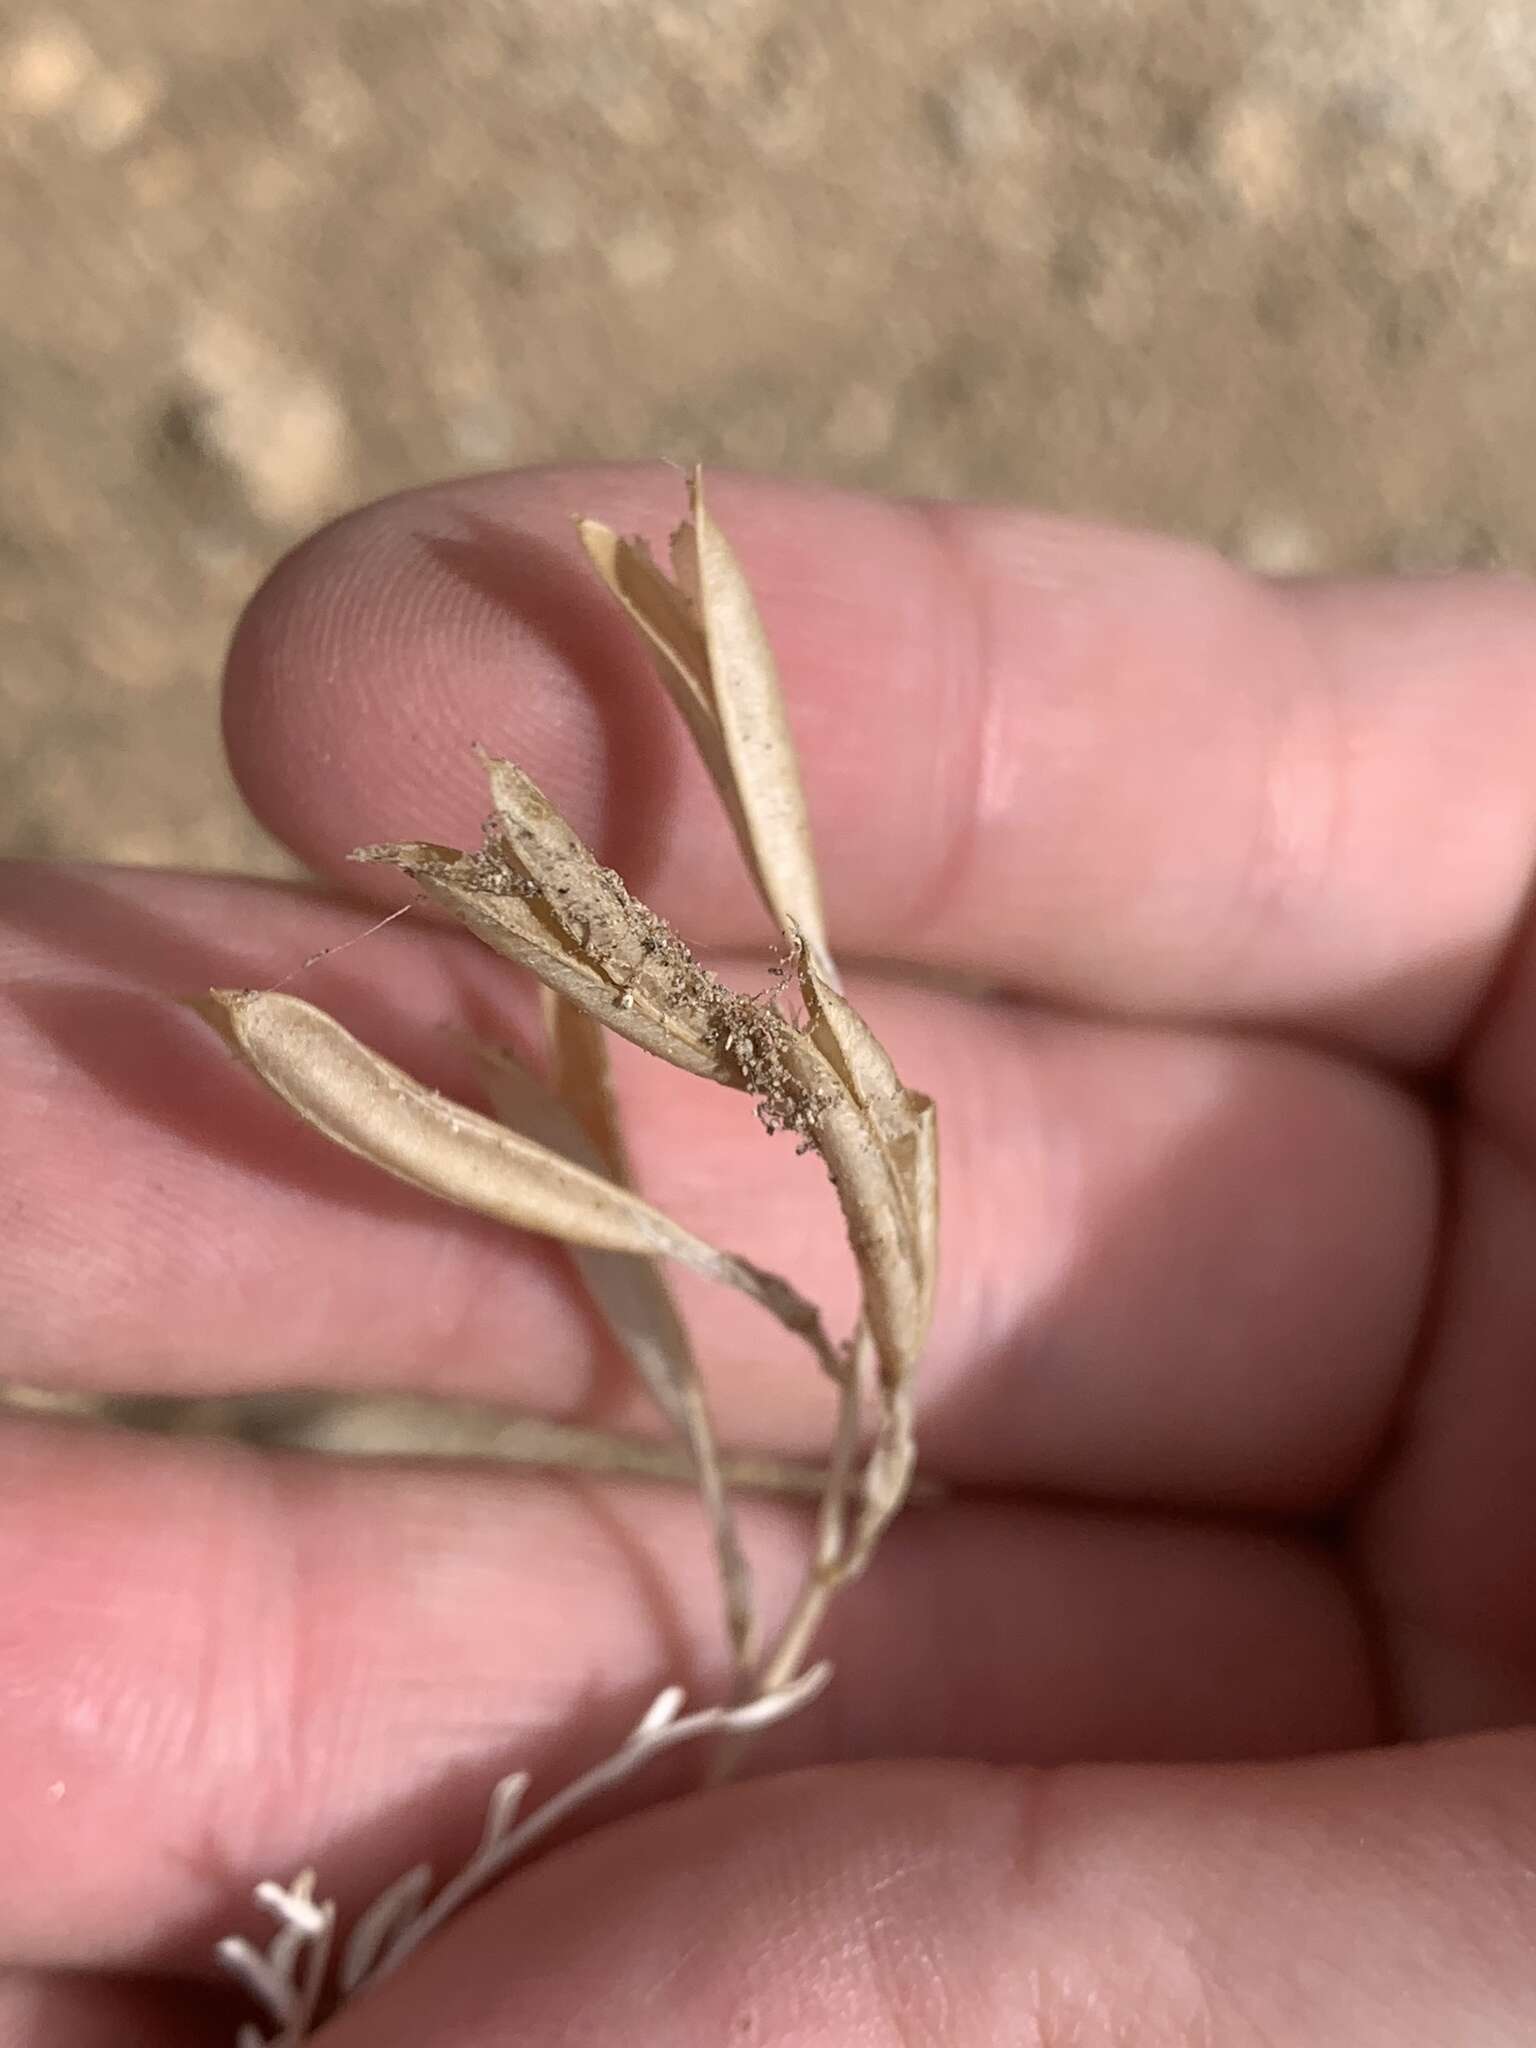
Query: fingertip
{"points": [[385, 648]]}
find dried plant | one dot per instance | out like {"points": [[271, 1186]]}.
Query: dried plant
{"points": [[551, 1159], [288, 1978]]}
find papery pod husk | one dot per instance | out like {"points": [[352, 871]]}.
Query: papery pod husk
{"points": [[749, 705], [368, 1105], [631, 1294], [715, 662]]}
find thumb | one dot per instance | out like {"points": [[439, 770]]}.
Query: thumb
{"points": [[1340, 1902]]}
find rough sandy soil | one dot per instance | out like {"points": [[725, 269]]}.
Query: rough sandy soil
{"points": [[1260, 270]]}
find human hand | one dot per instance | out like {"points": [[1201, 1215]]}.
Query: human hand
{"points": [[1194, 1714]]}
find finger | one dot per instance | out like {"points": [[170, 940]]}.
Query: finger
{"points": [[1377, 1901], [222, 1667], [1095, 765], [1175, 1268], [39, 2009], [1448, 1534]]}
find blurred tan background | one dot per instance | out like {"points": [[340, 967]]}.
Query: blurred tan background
{"points": [[1258, 270]]}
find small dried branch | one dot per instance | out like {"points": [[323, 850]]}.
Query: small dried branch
{"points": [[288, 1979]]}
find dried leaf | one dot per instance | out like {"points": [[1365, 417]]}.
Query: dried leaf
{"points": [[887, 1476], [860, 1060], [583, 1077], [537, 895], [628, 1290], [917, 1161], [750, 708], [635, 1301], [906, 1129], [902, 1120], [364, 1103], [581, 1074], [714, 659], [669, 619]]}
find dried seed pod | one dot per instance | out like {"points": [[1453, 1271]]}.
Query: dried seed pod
{"points": [[556, 1164], [630, 1293], [675, 1014], [362, 1101], [718, 668], [750, 709]]}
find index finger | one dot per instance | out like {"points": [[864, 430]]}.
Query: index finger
{"points": [[1099, 766]]}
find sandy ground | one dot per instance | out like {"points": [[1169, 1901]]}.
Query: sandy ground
{"points": [[1258, 270]]}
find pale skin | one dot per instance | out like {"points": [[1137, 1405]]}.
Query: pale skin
{"points": [[1195, 1714]]}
